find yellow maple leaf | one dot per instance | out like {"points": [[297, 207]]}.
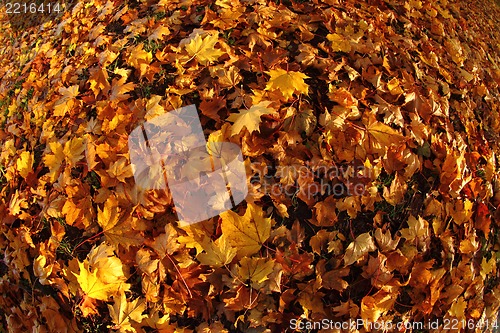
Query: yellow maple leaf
{"points": [[67, 101], [153, 107], [92, 286], [119, 90], [250, 119], [287, 82], [417, 228], [255, 270], [140, 59], [417, 232], [461, 211], [394, 87], [246, 233], [357, 249], [122, 312], [54, 160], [117, 225], [458, 308], [73, 150], [217, 253], [42, 270], [203, 48], [339, 43], [108, 266], [373, 307], [488, 266], [109, 215], [24, 163], [99, 81]]}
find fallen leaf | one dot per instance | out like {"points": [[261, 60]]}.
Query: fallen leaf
{"points": [[359, 248], [250, 119], [287, 82], [203, 48], [246, 233], [123, 311]]}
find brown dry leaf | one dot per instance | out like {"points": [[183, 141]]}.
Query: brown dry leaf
{"points": [[396, 192], [381, 137], [325, 212], [24, 164], [362, 245], [417, 229], [385, 241], [117, 225]]}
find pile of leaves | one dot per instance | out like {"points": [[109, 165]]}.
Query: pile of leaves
{"points": [[399, 98]]}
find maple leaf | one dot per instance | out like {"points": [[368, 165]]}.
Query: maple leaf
{"points": [[159, 33], [339, 43], [357, 249], [99, 81], [119, 90], [255, 270], [246, 233], [203, 48], [24, 163], [54, 160], [394, 87], [302, 120], [166, 244], [421, 103], [153, 108], [108, 266], [373, 307], [140, 59], [67, 101], [332, 279], [73, 150], [145, 263], [122, 312], [117, 226], [121, 170], [381, 136], [42, 270], [287, 82], [417, 228], [395, 194], [488, 266], [218, 253], [250, 119], [325, 212], [385, 241], [92, 286]]}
